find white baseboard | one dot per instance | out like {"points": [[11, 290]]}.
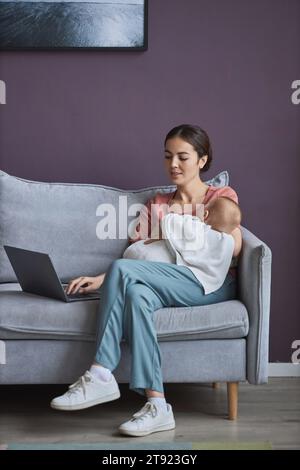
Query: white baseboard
{"points": [[284, 369]]}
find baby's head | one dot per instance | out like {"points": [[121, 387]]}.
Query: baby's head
{"points": [[222, 214]]}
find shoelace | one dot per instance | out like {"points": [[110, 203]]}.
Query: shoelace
{"points": [[148, 409], [80, 384]]}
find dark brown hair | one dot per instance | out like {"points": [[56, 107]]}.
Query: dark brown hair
{"points": [[195, 136]]}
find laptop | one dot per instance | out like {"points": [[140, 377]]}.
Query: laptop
{"points": [[36, 275]]}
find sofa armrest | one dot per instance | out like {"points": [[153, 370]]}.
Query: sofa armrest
{"points": [[254, 281]]}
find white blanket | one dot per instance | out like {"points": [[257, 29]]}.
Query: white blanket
{"points": [[155, 251], [206, 252]]}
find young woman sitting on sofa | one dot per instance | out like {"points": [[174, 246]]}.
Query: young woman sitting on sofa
{"points": [[132, 290]]}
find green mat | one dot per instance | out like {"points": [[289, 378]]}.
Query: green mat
{"points": [[234, 445]]}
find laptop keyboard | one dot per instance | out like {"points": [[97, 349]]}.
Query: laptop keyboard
{"points": [[82, 296]]}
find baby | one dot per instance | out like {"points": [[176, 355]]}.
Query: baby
{"points": [[221, 214], [205, 247]]}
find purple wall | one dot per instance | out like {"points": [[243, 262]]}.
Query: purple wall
{"points": [[227, 65]]}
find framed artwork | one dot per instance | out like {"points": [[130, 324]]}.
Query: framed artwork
{"points": [[74, 24]]}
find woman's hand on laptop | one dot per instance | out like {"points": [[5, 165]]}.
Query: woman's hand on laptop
{"points": [[85, 284]]}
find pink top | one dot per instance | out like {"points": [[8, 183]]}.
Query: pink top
{"points": [[143, 228]]}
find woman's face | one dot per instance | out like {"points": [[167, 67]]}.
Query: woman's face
{"points": [[182, 161]]}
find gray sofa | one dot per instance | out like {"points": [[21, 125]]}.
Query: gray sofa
{"points": [[225, 342]]}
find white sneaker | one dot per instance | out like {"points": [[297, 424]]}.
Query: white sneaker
{"points": [[87, 391], [149, 419]]}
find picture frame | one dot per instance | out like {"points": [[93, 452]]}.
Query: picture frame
{"points": [[108, 25]]}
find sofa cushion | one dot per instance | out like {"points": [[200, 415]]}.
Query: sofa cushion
{"points": [[61, 219], [28, 316]]}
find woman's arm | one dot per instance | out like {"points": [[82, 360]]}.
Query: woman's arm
{"points": [[91, 283], [143, 226], [227, 191], [237, 235]]}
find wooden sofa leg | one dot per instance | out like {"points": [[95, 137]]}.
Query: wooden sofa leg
{"points": [[232, 397], [216, 385]]}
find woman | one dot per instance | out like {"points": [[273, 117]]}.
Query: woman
{"points": [[132, 290]]}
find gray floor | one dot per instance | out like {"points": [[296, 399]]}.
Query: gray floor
{"points": [[269, 415]]}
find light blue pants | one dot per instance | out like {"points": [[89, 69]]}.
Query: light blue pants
{"points": [[131, 292]]}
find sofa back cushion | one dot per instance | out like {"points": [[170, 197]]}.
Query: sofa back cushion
{"points": [[65, 221]]}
